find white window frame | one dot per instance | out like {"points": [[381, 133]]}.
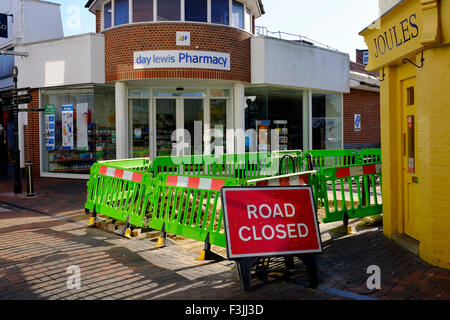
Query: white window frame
{"points": [[247, 23]]}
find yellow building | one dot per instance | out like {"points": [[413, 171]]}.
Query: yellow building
{"points": [[410, 47]]}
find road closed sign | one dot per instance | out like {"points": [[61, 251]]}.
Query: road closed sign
{"points": [[270, 221]]}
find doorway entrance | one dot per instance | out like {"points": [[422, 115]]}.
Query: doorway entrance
{"points": [[409, 144]]}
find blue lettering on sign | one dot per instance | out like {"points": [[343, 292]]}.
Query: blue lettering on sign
{"points": [[183, 58], [187, 58], [394, 37]]}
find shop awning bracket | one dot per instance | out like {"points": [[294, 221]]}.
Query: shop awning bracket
{"points": [[405, 60], [379, 79]]}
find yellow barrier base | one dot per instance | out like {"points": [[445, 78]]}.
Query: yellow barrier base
{"points": [[127, 233], [91, 221], [202, 256], [160, 242]]}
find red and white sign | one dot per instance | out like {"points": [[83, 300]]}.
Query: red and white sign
{"points": [[270, 221]]}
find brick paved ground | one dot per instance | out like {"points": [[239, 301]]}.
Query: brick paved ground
{"points": [[41, 237]]}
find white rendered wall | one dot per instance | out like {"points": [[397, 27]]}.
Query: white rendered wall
{"points": [[287, 63], [71, 60]]}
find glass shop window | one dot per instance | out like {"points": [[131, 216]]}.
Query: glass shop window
{"points": [[142, 10], [220, 12], [169, 10], [79, 129], [237, 17], [107, 16], [121, 12], [196, 10]]}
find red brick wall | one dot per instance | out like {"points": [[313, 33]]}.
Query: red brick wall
{"points": [[98, 21], [31, 135], [122, 42], [367, 104]]}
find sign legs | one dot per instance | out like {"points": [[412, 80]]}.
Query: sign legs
{"points": [[244, 266]]}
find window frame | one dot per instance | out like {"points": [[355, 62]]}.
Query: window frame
{"points": [[247, 26]]}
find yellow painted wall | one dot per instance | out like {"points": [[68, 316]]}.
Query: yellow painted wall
{"points": [[433, 102], [433, 128]]}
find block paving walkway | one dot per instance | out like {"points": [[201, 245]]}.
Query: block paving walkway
{"points": [[41, 237]]}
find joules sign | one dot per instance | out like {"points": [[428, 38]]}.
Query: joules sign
{"points": [[396, 36], [181, 59]]}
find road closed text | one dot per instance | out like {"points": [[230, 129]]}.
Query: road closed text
{"points": [[268, 231], [270, 221]]}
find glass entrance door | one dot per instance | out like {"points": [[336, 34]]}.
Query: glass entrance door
{"points": [[139, 128], [193, 125], [166, 124], [410, 175]]}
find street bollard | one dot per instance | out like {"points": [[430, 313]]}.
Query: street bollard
{"points": [[29, 176]]}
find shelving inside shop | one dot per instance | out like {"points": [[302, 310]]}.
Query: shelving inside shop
{"points": [[102, 146]]}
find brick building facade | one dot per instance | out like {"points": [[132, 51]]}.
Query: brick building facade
{"points": [[364, 100]]}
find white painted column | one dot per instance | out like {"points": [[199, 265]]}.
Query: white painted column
{"points": [[23, 121], [239, 117], [306, 124], [310, 106], [121, 121]]}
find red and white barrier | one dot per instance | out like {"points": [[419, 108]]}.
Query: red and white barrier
{"points": [[195, 183], [287, 181], [121, 174], [358, 170]]}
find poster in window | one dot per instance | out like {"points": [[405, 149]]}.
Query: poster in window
{"points": [[50, 127], [82, 126], [67, 127]]}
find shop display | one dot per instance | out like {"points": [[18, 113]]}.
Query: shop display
{"points": [[281, 127], [101, 147]]}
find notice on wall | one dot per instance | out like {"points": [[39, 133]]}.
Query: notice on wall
{"points": [[82, 126], [270, 221], [67, 127], [50, 127], [357, 122]]}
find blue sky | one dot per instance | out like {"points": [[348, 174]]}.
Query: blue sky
{"points": [[332, 22]]}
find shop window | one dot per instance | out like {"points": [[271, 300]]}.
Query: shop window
{"points": [[195, 10], [169, 10], [121, 12], [279, 109], [220, 12], [79, 129], [107, 15], [237, 18], [327, 121], [142, 10]]}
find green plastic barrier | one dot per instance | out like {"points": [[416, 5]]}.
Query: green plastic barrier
{"points": [[190, 207], [322, 159], [370, 156], [137, 164], [351, 191], [242, 166], [121, 194]]}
